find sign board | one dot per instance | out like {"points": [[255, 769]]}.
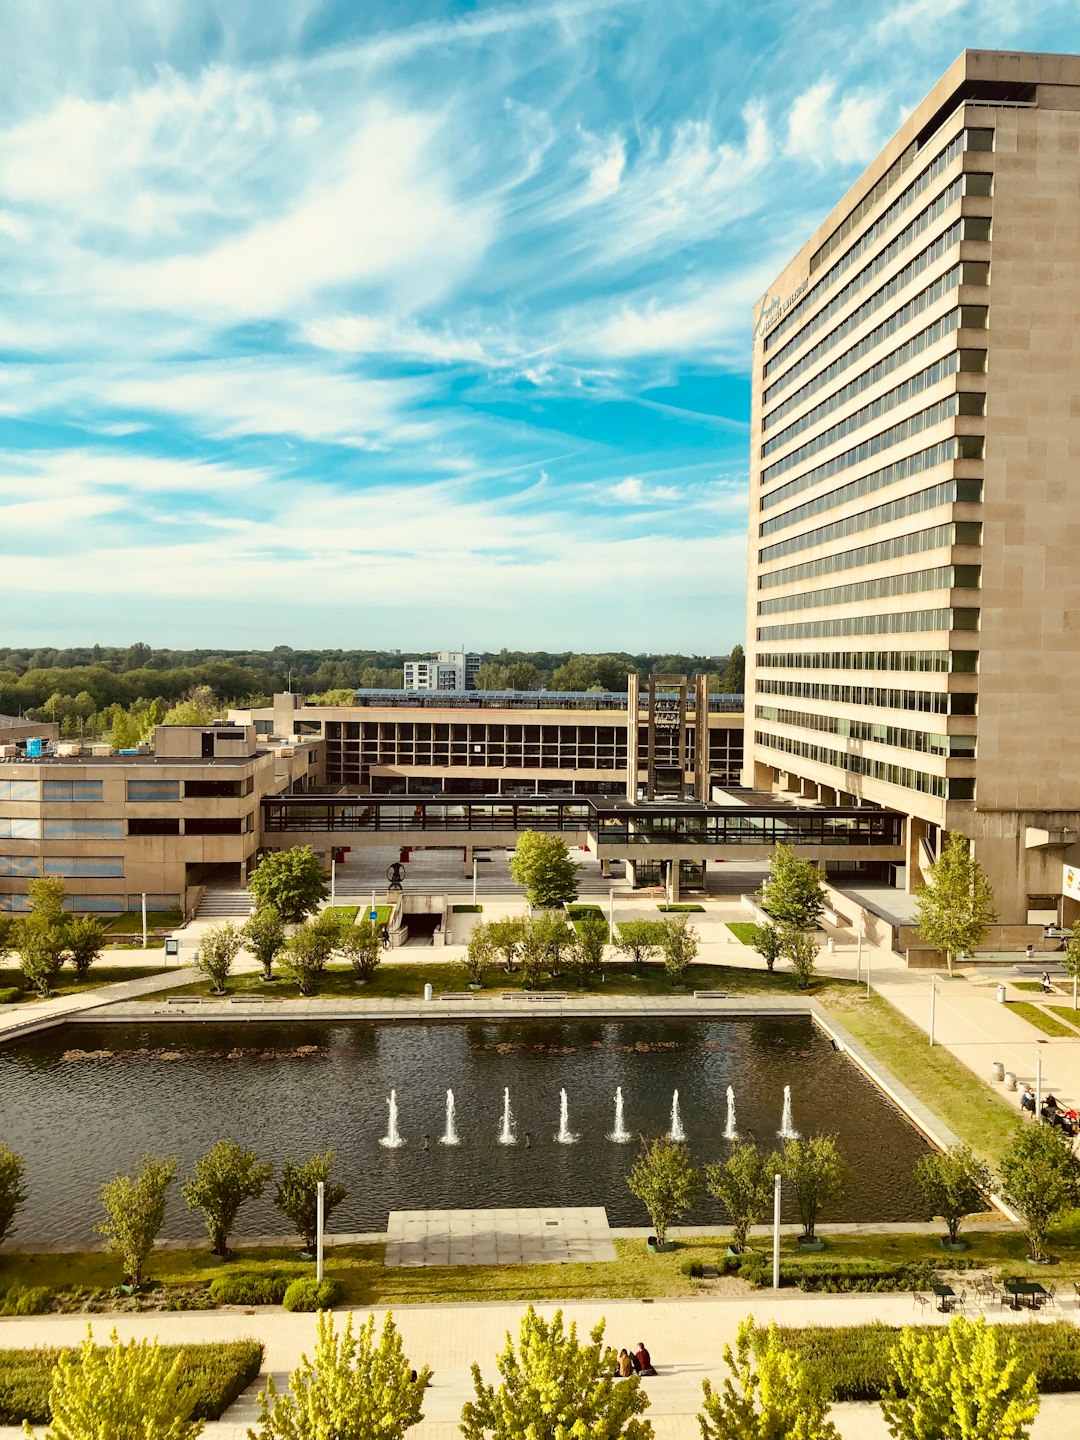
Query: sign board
{"points": [[172, 947], [1070, 881], [373, 915]]}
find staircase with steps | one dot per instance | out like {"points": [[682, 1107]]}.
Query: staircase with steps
{"points": [[221, 904]]}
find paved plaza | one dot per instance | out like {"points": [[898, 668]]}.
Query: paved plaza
{"points": [[498, 1237]]}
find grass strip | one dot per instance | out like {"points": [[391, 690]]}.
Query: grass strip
{"points": [[944, 1084], [213, 1375], [1037, 1016], [130, 923], [66, 982], [468, 909], [404, 980], [1067, 1013], [744, 930], [854, 1360], [688, 909]]}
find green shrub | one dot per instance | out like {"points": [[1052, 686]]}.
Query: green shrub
{"points": [[828, 1274], [214, 1375], [854, 1360], [9, 994], [28, 1300], [308, 1294], [245, 1288], [694, 1268]]}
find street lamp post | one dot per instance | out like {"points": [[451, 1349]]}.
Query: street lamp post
{"points": [[474, 879], [776, 1232], [320, 1211], [933, 1007], [858, 951]]}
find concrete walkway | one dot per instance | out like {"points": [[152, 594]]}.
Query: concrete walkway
{"points": [[685, 1337], [34, 1015]]}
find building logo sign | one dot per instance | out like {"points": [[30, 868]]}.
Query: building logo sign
{"points": [[774, 309], [1070, 881]]}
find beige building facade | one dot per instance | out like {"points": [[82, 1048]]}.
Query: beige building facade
{"points": [[114, 827], [913, 601]]}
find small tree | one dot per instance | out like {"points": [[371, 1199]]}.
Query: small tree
{"points": [[361, 944], [1040, 1179], [768, 941], [291, 881], [40, 943], [743, 1183], [533, 955], [679, 942], [555, 936], [125, 1392], [800, 947], [587, 960], [224, 1178], [7, 930], [135, 1212], [553, 1387], [955, 908], [217, 950], [357, 1387], [818, 1174], [541, 864], [773, 1396], [304, 957], [481, 954], [84, 942], [665, 1182], [506, 936], [966, 1382], [12, 1194], [792, 894], [264, 935], [639, 940], [954, 1184], [47, 898], [298, 1191]]}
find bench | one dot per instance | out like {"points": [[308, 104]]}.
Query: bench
{"points": [[710, 1272], [251, 1000], [183, 1000], [1054, 969], [545, 995], [710, 994], [457, 994]]}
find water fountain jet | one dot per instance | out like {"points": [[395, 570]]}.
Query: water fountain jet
{"points": [[676, 1132], [450, 1134], [730, 1132], [620, 1135], [565, 1136], [392, 1139], [506, 1134], [787, 1129]]}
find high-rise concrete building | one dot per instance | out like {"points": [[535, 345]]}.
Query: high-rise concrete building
{"points": [[449, 670], [914, 596]]}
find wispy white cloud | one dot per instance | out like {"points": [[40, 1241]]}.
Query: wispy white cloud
{"points": [[830, 129]]}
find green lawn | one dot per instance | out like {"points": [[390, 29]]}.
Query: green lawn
{"points": [[744, 930], [968, 1106], [130, 923], [634, 1274], [468, 909], [688, 909], [68, 983], [395, 981], [348, 914], [1067, 1013], [1037, 1016]]}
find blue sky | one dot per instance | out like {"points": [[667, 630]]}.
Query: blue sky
{"points": [[413, 324]]}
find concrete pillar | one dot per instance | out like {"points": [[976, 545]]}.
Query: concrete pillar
{"points": [[630, 872], [673, 883], [605, 869], [467, 856]]}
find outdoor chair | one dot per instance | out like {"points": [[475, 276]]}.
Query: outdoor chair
{"points": [[961, 1301], [919, 1302], [1076, 1291], [985, 1290], [1051, 1297]]}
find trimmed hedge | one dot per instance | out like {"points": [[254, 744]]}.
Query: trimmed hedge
{"points": [[308, 1294], [854, 1359], [694, 1268], [247, 1288], [9, 994], [835, 1276], [27, 1300], [214, 1375]]}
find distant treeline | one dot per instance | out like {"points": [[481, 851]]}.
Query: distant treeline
{"points": [[74, 686]]}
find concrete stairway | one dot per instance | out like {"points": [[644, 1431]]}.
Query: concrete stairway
{"points": [[218, 903]]}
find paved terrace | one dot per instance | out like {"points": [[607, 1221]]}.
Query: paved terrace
{"points": [[685, 1338]]}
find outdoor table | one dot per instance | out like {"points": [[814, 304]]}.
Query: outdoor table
{"points": [[1025, 1292], [945, 1296]]}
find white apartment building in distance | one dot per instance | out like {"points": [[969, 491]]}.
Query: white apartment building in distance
{"points": [[914, 598], [449, 670]]}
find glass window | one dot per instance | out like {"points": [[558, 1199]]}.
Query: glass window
{"points": [[85, 866], [84, 830], [99, 904], [19, 866], [75, 791], [141, 791], [13, 829], [153, 826], [20, 790]]}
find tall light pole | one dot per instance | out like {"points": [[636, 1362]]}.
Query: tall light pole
{"points": [[474, 879], [1038, 1083], [933, 1007], [776, 1232], [611, 917], [858, 951], [867, 959], [333, 876], [320, 1212]]}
